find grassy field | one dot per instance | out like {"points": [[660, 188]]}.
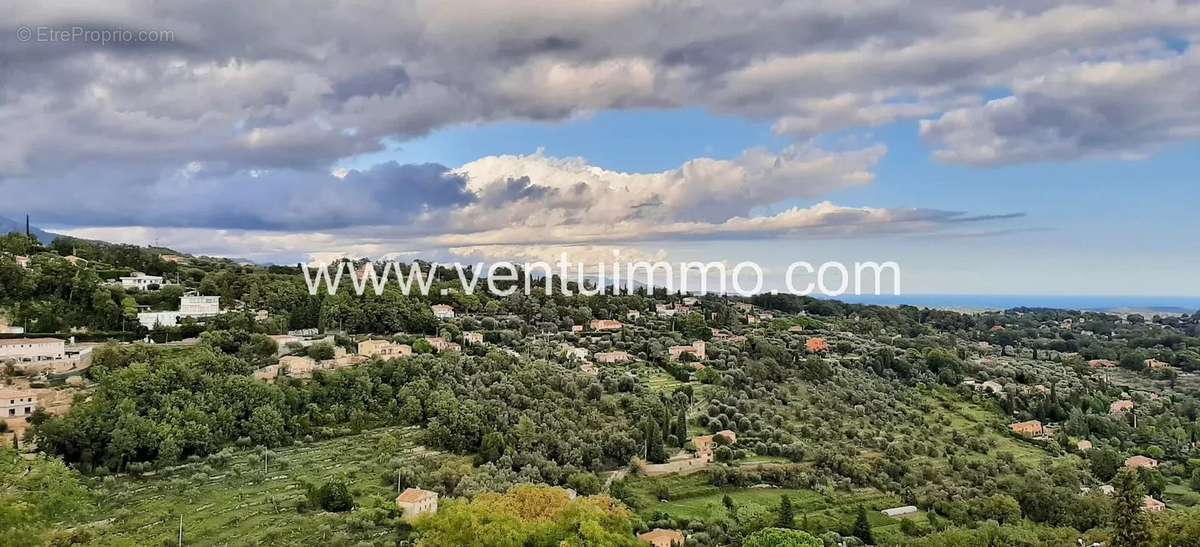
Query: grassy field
{"points": [[656, 379], [241, 504], [968, 417], [692, 497]]}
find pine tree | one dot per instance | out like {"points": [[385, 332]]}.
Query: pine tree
{"points": [[1129, 520], [862, 527], [787, 519]]}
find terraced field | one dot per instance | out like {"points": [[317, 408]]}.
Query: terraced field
{"points": [[693, 497], [252, 502]]}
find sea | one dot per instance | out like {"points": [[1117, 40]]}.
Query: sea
{"points": [[1164, 305]]}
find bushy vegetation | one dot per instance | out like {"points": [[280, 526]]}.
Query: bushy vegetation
{"points": [[839, 410]]}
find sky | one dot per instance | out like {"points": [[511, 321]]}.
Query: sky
{"points": [[1018, 147]]}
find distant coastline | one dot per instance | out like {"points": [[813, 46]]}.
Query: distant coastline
{"points": [[1146, 305]]}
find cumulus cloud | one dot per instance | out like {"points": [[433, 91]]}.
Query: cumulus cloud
{"points": [[565, 191], [1116, 108], [276, 85], [509, 207]]}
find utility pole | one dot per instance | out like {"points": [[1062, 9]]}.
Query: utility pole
{"points": [[180, 530]]}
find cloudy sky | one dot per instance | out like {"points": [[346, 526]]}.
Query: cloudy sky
{"points": [[1020, 147]]}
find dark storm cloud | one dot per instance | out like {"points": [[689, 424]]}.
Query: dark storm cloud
{"points": [[388, 194]]}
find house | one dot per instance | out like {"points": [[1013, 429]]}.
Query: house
{"points": [[1031, 428], [1155, 364], [173, 258], [194, 305], [414, 502], [442, 311], [766, 316], [17, 403], [816, 345], [664, 310], [1151, 505], [75, 260], [796, 328], [441, 344], [743, 306], [473, 338], [1120, 406], [383, 348], [576, 328], [567, 350], [897, 512], [588, 368], [296, 366], [605, 324], [633, 315], [1101, 363], [32, 349], [1138, 462], [690, 301], [22, 261], [139, 280], [612, 357], [1083, 445], [750, 319], [705, 444], [696, 349], [661, 537]]}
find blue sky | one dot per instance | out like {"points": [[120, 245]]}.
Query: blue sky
{"points": [[1097, 226]]}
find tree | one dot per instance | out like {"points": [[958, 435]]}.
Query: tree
{"points": [[780, 537], [1104, 463], [322, 351], [862, 527], [491, 448], [333, 496], [1130, 525], [787, 518]]}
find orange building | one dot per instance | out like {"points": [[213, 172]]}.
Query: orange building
{"points": [[816, 345]]}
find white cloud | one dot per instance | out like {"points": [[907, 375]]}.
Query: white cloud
{"points": [[272, 85], [1115, 108]]}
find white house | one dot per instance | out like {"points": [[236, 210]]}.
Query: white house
{"points": [[415, 502], [140, 280], [16, 403], [32, 349], [198, 306], [442, 311], [189, 306]]}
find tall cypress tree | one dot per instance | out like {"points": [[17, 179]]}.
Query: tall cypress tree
{"points": [[787, 518], [1129, 520], [862, 527]]}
